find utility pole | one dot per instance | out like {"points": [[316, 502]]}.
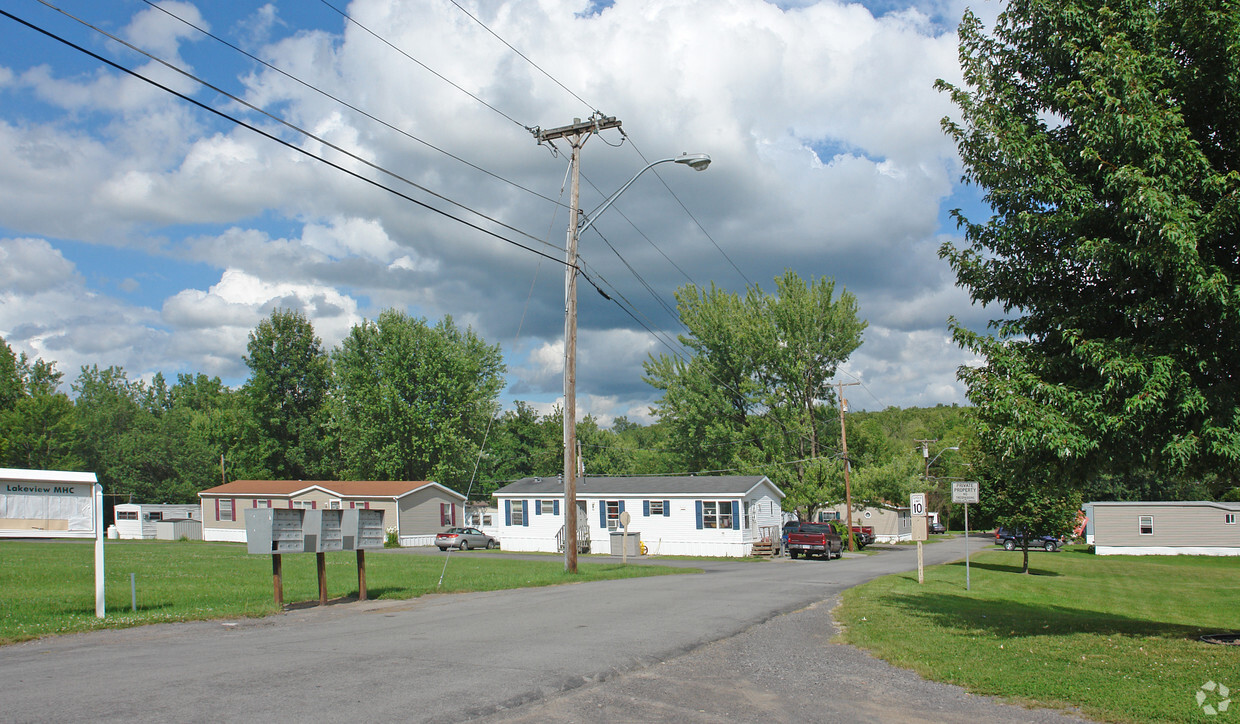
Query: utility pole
{"points": [[852, 545], [925, 454], [576, 135]]}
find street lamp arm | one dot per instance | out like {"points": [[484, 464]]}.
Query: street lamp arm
{"points": [[936, 457], [695, 161]]}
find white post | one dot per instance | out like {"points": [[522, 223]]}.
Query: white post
{"points": [[99, 551], [966, 546]]}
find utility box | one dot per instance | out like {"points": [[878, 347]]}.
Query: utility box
{"points": [[274, 530], [626, 545], [362, 529], [323, 531]]}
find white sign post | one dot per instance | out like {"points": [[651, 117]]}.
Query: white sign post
{"points": [[624, 538], [965, 492], [917, 512]]}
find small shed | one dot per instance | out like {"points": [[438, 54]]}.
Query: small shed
{"points": [[1166, 528], [177, 529], [696, 515], [136, 521], [417, 509]]}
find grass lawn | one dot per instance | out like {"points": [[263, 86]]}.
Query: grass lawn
{"points": [[1116, 636], [49, 586]]}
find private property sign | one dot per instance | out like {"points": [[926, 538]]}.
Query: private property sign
{"points": [[965, 492]]}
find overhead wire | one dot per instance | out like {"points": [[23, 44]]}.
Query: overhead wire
{"points": [[347, 104], [292, 126], [286, 143]]}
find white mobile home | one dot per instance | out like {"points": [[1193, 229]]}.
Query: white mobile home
{"points": [[1194, 528], [681, 515], [136, 521]]}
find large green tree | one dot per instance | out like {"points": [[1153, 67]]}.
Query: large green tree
{"points": [[288, 385], [1106, 136], [755, 393], [38, 427], [413, 401]]}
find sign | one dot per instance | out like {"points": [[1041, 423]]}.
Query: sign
{"points": [[921, 529], [917, 504], [965, 492]]}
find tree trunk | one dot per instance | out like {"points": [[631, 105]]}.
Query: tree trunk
{"points": [[1025, 547]]}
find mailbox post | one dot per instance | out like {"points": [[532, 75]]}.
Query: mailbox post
{"points": [[298, 530], [362, 528]]}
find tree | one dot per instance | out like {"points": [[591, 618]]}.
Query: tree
{"points": [[38, 427], [1105, 136], [755, 392], [413, 401], [289, 381], [1023, 500]]}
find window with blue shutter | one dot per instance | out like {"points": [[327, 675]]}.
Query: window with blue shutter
{"points": [[698, 503]]}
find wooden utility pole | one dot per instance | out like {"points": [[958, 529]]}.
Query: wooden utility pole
{"points": [[852, 545], [576, 135]]}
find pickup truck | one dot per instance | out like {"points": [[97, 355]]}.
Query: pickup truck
{"points": [[863, 534], [815, 539]]}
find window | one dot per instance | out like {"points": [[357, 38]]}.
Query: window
{"points": [[303, 503], [486, 520], [656, 507], [156, 515], [716, 514], [613, 514], [1145, 524], [747, 516], [547, 507], [126, 515], [518, 512], [225, 511], [333, 505], [266, 503], [1229, 518], [447, 514]]}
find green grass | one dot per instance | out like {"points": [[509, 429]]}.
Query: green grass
{"points": [[1116, 636], [48, 586]]}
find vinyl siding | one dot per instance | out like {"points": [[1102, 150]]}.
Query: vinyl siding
{"points": [[1196, 526]]}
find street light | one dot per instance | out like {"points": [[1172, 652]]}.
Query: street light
{"points": [[926, 453], [695, 161]]}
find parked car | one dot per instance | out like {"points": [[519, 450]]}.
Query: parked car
{"points": [[1011, 540], [815, 539], [937, 527], [863, 535], [789, 527], [464, 539]]}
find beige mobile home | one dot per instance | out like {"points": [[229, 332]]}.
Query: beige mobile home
{"points": [[891, 523], [417, 509], [1194, 528]]}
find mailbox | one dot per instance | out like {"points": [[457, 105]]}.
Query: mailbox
{"points": [[274, 530], [323, 531], [362, 529]]}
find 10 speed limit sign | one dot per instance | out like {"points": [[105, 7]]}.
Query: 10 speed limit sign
{"points": [[917, 503]]}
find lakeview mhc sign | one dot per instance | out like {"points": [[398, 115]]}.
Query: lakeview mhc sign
{"points": [[48, 504]]}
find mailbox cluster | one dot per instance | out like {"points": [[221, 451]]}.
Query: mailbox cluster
{"points": [[298, 530]]}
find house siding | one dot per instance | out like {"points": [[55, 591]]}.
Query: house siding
{"points": [[890, 525], [675, 533], [1190, 528]]}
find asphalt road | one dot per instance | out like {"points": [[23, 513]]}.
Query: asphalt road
{"points": [[744, 641]]}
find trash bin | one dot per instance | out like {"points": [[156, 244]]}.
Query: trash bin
{"points": [[626, 545]]}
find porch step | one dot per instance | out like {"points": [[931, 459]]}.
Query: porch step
{"points": [[763, 549]]}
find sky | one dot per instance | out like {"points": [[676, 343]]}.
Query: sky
{"points": [[147, 230]]}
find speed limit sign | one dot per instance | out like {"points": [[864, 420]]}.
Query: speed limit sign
{"points": [[917, 504]]}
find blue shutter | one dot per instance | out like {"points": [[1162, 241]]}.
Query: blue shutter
{"points": [[646, 508], [699, 514], [736, 515], [507, 512], [667, 508], [602, 514], [538, 507], [525, 508], [555, 507], [621, 510]]}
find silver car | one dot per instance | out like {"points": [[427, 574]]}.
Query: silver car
{"points": [[464, 539]]}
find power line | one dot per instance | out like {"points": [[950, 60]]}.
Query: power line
{"points": [[293, 126], [284, 142], [345, 103], [430, 70], [524, 57]]}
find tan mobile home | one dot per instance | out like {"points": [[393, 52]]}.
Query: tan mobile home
{"points": [[1195, 528]]}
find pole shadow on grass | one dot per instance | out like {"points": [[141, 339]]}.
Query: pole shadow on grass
{"points": [[1007, 568], [1011, 619]]}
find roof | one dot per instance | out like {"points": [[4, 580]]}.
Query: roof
{"points": [[1174, 503], [342, 488], [654, 485]]}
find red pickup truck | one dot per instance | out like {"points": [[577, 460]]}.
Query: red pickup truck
{"points": [[815, 539], [863, 534]]}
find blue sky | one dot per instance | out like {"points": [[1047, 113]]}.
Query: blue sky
{"points": [[139, 230]]}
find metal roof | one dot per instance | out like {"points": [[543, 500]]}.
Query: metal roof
{"points": [[678, 485], [341, 488], [1176, 503]]}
